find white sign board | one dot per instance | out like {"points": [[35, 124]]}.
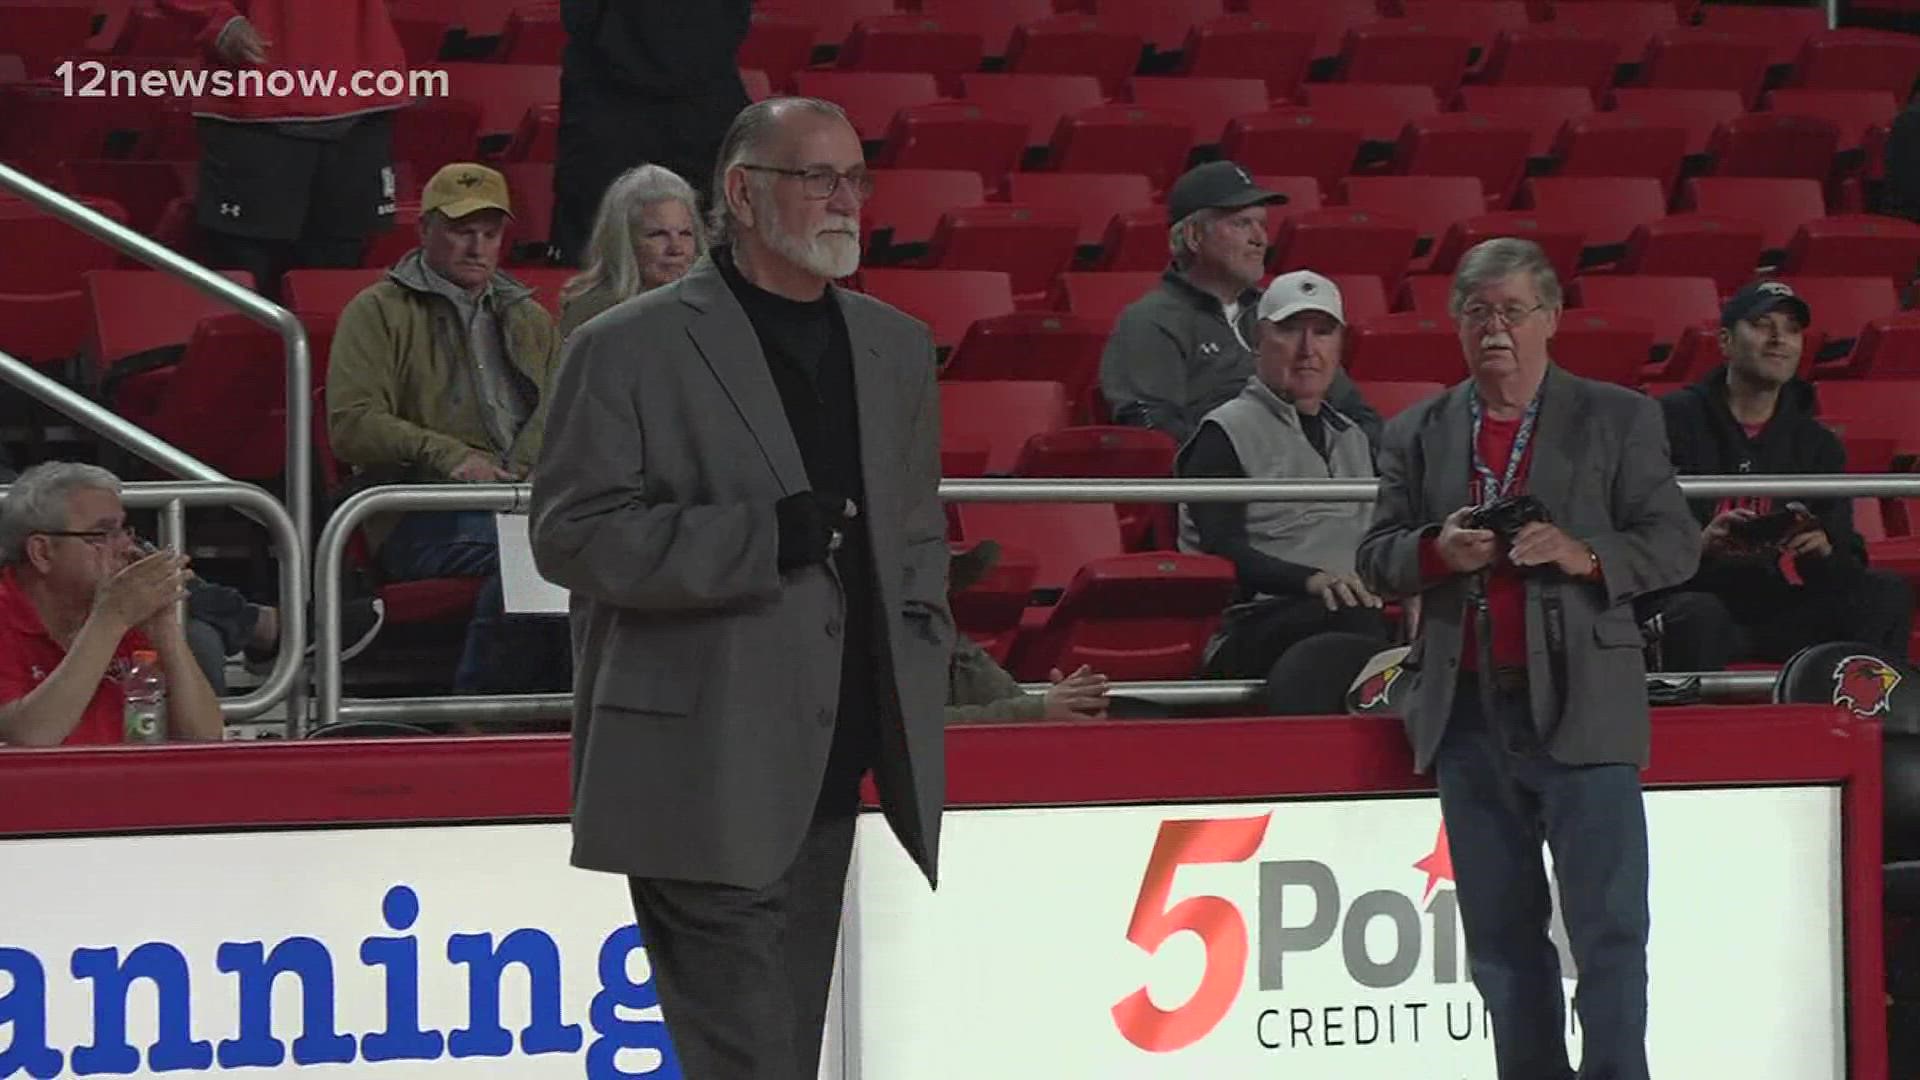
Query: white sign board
{"points": [[523, 590], [1021, 964]]}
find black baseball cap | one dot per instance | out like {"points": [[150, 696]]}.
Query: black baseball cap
{"points": [[1761, 298], [1217, 185]]}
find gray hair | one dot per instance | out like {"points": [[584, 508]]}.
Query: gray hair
{"points": [[610, 259], [1502, 257], [37, 502], [752, 131], [1180, 246]]}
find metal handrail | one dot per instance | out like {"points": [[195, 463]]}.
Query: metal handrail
{"points": [[299, 494], [511, 498], [279, 524]]}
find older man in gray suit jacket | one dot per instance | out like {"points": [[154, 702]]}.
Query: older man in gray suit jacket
{"points": [[1531, 704], [740, 487]]}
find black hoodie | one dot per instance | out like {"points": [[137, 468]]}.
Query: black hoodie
{"points": [[1707, 440], [668, 49]]}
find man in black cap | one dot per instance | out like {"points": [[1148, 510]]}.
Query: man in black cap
{"points": [[1775, 575], [1188, 346]]}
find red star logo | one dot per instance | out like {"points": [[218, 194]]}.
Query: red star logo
{"points": [[1438, 864]]}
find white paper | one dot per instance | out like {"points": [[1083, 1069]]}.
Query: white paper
{"points": [[525, 591]]}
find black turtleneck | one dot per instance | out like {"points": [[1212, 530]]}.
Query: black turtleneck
{"points": [[811, 360]]}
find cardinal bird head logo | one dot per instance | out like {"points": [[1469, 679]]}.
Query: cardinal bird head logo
{"points": [[1864, 684], [1373, 693]]}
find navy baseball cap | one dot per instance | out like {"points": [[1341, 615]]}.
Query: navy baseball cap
{"points": [[1761, 298], [1217, 185]]}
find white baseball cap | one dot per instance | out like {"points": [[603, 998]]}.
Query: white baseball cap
{"points": [[1301, 290]]}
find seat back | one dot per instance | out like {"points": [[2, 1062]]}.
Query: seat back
{"points": [[326, 292], [1391, 397], [1142, 616], [1670, 304], [1002, 415], [870, 98], [1405, 346], [1293, 142], [1401, 50], [1606, 209], [1343, 240], [1101, 295], [1465, 144], [1247, 47], [1775, 144], [1601, 345], [948, 301], [1699, 58], [1062, 536], [1561, 241], [1207, 102], [1722, 248], [1123, 138], [1550, 55], [1041, 100], [1856, 245], [954, 135], [1029, 244], [989, 609], [1092, 199], [1074, 45], [907, 204], [1050, 346]]}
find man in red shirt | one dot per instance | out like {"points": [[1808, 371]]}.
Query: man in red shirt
{"points": [[76, 604], [1529, 703]]}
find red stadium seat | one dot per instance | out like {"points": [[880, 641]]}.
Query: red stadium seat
{"points": [[1405, 346], [913, 43], [1136, 240], [235, 369], [1340, 240], [1092, 198], [989, 610], [1669, 304], [1775, 144], [993, 20], [134, 312], [42, 33], [1601, 345], [1303, 195], [1380, 111], [533, 35], [1062, 536], [1783, 28], [43, 328], [1606, 208], [1552, 55], [1888, 348], [384, 249], [1329, 19], [1161, 24], [1855, 59], [907, 203], [1399, 50], [1362, 296], [1248, 47], [1426, 294], [1463, 144], [1049, 346], [1873, 408], [503, 93], [1431, 203], [1100, 296], [1851, 112], [1778, 205], [1141, 616], [1856, 245], [1621, 144], [1293, 142], [1693, 58], [325, 292], [44, 126], [1843, 306], [1391, 397], [870, 98], [1479, 23], [1123, 138], [1629, 25], [778, 45], [954, 135], [1540, 109], [530, 185], [1725, 249], [1029, 244], [1074, 45], [835, 18], [1207, 103], [948, 301], [1001, 415], [433, 132], [61, 254], [1110, 452], [1561, 241], [1042, 100], [141, 188], [1699, 112]]}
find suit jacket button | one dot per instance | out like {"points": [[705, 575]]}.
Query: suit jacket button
{"points": [[833, 628], [824, 715]]}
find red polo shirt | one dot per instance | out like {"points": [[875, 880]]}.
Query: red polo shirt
{"points": [[28, 654], [1506, 589]]}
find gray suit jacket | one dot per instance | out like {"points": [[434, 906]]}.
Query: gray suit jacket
{"points": [[1601, 466], [706, 681]]}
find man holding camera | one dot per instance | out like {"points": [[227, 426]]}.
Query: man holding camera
{"points": [[1775, 576], [1527, 508]]}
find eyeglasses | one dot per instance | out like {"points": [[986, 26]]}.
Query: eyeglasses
{"points": [[1511, 315], [96, 537], [821, 182]]}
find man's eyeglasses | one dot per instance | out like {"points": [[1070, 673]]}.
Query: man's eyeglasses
{"points": [[821, 182], [96, 537], [1509, 315]]}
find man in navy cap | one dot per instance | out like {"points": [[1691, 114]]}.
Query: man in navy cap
{"points": [[1775, 575], [1187, 347]]}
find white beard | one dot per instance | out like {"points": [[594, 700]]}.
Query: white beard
{"points": [[831, 256]]}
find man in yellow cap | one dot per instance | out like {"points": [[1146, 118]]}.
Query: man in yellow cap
{"points": [[437, 375]]}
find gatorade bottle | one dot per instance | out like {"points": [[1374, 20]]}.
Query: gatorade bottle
{"points": [[145, 686]]}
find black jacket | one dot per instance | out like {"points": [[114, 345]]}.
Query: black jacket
{"points": [[669, 49], [1707, 440]]}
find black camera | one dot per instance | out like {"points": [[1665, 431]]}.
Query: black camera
{"points": [[1771, 530], [1505, 517]]}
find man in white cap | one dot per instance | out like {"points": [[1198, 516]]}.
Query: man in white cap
{"points": [[1294, 560]]}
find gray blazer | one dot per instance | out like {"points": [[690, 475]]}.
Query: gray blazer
{"points": [[706, 681], [1600, 464]]}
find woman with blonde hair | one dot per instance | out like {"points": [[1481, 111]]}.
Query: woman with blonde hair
{"points": [[647, 234]]}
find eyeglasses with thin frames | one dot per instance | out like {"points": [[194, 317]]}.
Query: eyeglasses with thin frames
{"points": [[821, 182], [96, 537], [1510, 316]]}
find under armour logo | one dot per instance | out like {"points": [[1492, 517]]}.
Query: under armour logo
{"points": [[386, 181], [1245, 177], [468, 179], [230, 209], [39, 673]]}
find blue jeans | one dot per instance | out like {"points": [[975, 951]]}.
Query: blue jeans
{"points": [[457, 543], [1501, 795]]}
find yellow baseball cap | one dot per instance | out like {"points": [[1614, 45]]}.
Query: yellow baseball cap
{"points": [[461, 188]]}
